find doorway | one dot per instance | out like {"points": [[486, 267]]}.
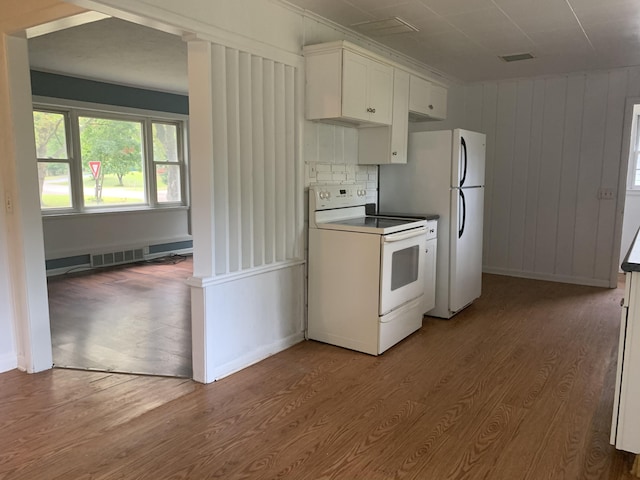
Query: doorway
{"points": [[631, 217], [133, 317]]}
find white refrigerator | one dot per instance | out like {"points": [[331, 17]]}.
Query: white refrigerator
{"points": [[444, 175]]}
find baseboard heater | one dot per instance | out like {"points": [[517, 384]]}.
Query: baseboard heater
{"points": [[117, 258]]}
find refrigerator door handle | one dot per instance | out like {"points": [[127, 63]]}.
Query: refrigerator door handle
{"points": [[463, 143], [464, 215]]}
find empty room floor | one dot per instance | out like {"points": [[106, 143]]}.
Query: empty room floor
{"points": [[517, 386], [131, 319]]}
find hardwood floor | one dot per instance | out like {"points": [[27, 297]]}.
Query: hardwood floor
{"points": [[132, 319], [518, 386]]}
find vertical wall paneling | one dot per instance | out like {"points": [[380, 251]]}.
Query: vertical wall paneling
{"points": [[254, 138], [633, 84], [502, 167], [550, 167], [610, 170], [553, 144], [568, 202], [269, 161], [518, 201], [591, 148], [472, 117], [246, 160], [233, 151], [258, 120], [280, 162], [489, 110], [533, 175], [220, 157], [290, 165]]}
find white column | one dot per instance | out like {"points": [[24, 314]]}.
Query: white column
{"points": [[24, 242], [202, 199]]}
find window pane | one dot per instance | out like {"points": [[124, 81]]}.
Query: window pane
{"points": [[165, 142], [51, 135], [168, 183], [112, 162], [55, 186]]}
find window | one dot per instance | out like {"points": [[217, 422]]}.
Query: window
{"points": [[93, 161]]}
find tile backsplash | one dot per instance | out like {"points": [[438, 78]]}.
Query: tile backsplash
{"points": [[331, 156]]}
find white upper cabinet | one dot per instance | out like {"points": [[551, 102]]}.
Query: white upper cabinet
{"points": [[427, 101], [346, 85], [388, 144]]}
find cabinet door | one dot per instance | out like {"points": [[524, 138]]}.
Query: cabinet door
{"points": [[438, 102], [430, 275], [419, 95], [400, 125], [355, 70], [380, 92]]}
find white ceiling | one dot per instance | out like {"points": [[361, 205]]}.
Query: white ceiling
{"points": [[114, 51], [461, 38]]}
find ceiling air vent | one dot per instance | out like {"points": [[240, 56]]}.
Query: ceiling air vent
{"points": [[387, 26], [516, 57]]}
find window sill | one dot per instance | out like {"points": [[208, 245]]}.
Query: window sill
{"points": [[113, 211]]}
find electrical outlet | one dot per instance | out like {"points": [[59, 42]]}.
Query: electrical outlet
{"points": [[605, 193]]}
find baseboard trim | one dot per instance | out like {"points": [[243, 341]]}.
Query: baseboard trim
{"points": [[256, 356], [590, 282]]}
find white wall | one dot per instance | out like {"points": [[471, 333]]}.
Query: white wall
{"points": [[552, 143], [69, 235]]}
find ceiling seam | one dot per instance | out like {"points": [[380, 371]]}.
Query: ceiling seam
{"points": [[580, 25]]}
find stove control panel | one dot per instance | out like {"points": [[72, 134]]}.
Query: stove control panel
{"points": [[323, 197]]}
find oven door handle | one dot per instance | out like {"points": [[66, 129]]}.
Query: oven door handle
{"points": [[397, 237]]}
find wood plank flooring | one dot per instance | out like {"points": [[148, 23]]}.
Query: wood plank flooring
{"points": [[518, 386], [134, 318]]}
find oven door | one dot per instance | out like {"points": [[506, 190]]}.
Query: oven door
{"points": [[402, 268]]}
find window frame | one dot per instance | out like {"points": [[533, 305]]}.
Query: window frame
{"points": [[634, 153], [74, 109]]}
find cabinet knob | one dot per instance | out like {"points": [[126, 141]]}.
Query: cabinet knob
{"points": [[622, 302], [394, 153], [371, 110], [430, 107]]}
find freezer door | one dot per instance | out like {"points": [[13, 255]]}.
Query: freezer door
{"points": [[465, 280], [468, 159]]}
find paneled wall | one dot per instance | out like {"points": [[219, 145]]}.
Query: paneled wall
{"points": [[552, 144], [254, 161], [246, 173]]}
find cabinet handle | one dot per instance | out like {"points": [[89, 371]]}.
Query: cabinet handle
{"points": [[370, 110], [622, 302], [394, 153], [430, 107]]}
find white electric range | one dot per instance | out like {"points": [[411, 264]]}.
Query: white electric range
{"points": [[366, 273]]}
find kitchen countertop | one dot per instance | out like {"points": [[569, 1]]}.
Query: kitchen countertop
{"points": [[371, 210], [631, 262]]}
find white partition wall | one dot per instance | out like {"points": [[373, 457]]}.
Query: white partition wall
{"points": [[247, 197]]}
